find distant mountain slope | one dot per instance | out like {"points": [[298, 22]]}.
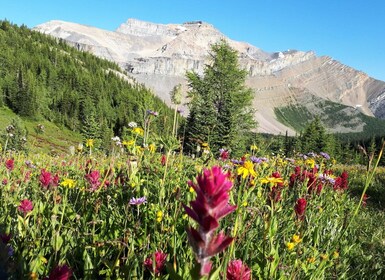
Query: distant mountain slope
{"points": [[42, 78], [159, 55]]}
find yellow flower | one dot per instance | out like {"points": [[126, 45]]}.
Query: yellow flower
{"points": [[244, 204], [271, 180], [138, 130], [205, 146], [69, 183], [247, 169], [191, 189], [151, 148], [90, 143], [324, 257], [336, 255], [310, 162], [159, 216], [33, 276], [128, 143], [254, 147], [290, 246], [311, 260], [296, 239]]}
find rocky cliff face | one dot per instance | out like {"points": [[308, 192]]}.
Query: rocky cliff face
{"points": [[159, 55]]}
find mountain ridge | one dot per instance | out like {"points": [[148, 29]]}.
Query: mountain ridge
{"points": [[158, 55]]}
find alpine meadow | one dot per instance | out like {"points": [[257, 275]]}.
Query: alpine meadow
{"points": [[102, 179]]}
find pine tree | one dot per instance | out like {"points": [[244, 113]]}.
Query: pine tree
{"points": [[220, 103]]}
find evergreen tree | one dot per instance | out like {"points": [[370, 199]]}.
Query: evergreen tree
{"points": [[220, 103]]}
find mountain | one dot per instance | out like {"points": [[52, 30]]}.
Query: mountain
{"points": [[159, 55]]}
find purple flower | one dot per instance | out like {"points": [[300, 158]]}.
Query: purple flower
{"points": [[137, 201], [255, 159], [236, 161], [152, 113], [325, 155]]}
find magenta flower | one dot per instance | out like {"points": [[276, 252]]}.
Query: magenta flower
{"points": [[160, 261], [25, 206], [60, 272], [210, 205], [10, 164], [300, 208], [93, 179], [236, 270], [224, 154], [45, 178]]}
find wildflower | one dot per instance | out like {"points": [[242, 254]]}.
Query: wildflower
{"points": [[290, 245], [152, 148], [336, 255], [300, 208], [325, 155], [25, 206], [60, 272], [138, 131], [205, 146], [159, 216], [137, 201], [364, 200], [310, 162], [152, 113], [236, 161], [254, 147], [160, 261], [271, 180], [224, 154], [10, 164], [163, 160], [93, 179], [211, 204], [68, 183], [33, 276], [247, 169], [341, 182], [324, 257], [90, 143], [311, 260], [236, 270], [128, 143], [4, 181], [296, 239], [29, 164], [45, 178], [132, 124]]}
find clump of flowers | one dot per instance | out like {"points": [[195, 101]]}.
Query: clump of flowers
{"points": [[236, 270], [300, 208], [25, 206], [211, 204], [160, 261], [47, 180]]}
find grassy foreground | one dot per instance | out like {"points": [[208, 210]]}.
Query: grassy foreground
{"points": [[126, 216]]}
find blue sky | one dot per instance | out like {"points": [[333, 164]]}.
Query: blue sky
{"points": [[351, 31]]}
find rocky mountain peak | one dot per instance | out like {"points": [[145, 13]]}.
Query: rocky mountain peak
{"points": [[159, 55]]}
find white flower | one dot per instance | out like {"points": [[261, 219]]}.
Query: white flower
{"points": [[132, 124]]}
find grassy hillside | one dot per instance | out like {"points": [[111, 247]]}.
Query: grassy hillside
{"points": [[43, 80], [348, 122]]}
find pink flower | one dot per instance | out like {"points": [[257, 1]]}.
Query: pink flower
{"points": [[211, 204], [10, 164], [93, 179], [160, 261], [300, 208], [224, 154], [60, 272], [236, 270], [163, 160], [341, 182], [25, 206], [45, 178]]}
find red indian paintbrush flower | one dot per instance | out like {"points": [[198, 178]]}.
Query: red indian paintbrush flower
{"points": [[60, 272], [160, 261], [300, 208], [93, 179], [45, 178], [25, 206], [10, 164], [210, 205], [236, 270]]}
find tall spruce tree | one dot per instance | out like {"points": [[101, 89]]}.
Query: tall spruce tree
{"points": [[220, 103]]}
